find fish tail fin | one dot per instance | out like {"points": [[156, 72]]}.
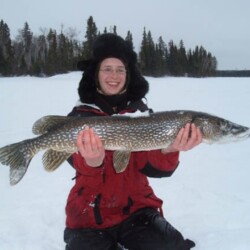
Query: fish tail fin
{"points": [[17, 156]]}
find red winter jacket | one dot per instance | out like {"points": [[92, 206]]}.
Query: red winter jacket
{"points": [[102, 198]]}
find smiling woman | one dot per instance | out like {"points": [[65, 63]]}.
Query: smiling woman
{"points": [[109, 209], [112, 76]]}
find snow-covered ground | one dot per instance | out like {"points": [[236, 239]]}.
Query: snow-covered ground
{"points": [[207, 198]]}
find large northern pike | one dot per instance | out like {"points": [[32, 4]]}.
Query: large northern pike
{"points": [[122, 134]]}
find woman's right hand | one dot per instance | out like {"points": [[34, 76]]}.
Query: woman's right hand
{"points": [[90, 147]]}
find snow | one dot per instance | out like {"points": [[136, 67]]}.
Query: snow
{"points": [[207, 198]]}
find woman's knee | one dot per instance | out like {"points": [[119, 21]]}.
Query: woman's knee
{"points": [[88, 239]]}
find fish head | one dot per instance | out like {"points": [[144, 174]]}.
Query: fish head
{"points": [[219, 130], [232, 131]]}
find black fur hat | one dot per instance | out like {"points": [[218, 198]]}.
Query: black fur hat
{"points": [[111, 45]]}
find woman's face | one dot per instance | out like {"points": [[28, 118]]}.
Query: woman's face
{"points": [[112, 76]]}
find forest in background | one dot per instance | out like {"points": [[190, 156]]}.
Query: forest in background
{"points": [[53, 53]]}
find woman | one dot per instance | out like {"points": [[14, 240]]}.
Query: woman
{"points": [[108, 210]]}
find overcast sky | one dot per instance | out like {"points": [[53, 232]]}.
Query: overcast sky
{"points": [[221, 26]]}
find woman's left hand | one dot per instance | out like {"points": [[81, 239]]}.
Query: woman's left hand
{"points": [[188, 137]]}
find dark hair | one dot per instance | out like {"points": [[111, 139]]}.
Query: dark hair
{"points": [[105, 46]]}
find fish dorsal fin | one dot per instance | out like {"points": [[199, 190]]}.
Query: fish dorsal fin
{"points": [[47, 123], [53, 159], [120, 160]]}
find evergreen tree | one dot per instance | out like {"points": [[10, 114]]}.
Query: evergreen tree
{"points": [[213, 65], [172, 60], [182, 59], [115, 30], [6, 50], [151, 55], [105, 31], [74, 50], [23, 50], [51, 65], [91, 35], [27, 46], [63, 51], [129, 39], [190, 63], [161, 52], [142, 53], [147, 55], [39, 53], [196, 62]]}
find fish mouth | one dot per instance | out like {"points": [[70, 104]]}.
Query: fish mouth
{"points": [[244, 135], [240, 131], [235, 129], [241, 134], [232, 132]]}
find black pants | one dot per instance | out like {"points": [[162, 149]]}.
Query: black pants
{"points": [[144, 230]]}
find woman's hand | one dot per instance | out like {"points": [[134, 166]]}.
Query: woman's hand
{"points": [[187, 138], [90, 147]]}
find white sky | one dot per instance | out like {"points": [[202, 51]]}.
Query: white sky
{"points": [[221, 26]]}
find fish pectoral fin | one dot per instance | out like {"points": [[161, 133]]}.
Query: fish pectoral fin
{"points": [[52, 159], [120, 160]]}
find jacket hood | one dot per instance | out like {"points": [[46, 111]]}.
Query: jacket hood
{"points": [[105, 46]]}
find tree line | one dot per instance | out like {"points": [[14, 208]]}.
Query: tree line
{"points": [[52, 53]]}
